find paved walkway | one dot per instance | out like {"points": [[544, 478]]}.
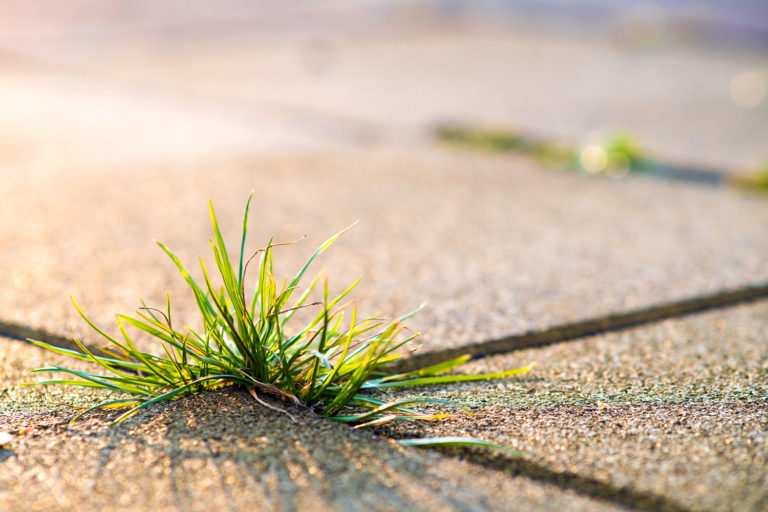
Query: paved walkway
{"points": [[110, 149]]}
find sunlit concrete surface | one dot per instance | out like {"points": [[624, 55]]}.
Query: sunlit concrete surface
{"points": [[120, 119], [390, 71]]}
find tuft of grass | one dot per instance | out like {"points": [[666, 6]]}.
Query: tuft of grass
{"points": [[620, 151], [624, 154], [487, 139], [329, 364]]}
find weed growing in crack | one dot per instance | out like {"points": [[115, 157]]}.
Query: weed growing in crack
{"points": [[329, 364]]}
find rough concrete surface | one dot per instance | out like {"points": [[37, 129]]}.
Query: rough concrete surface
{"points": [[494, 275], [118, 124], [674, 410], [222, 450]]}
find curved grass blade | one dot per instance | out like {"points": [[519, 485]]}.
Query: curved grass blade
{"points": [[396, 405], [101, 381], [312, 258], [447, 379], [429, 370], [78, 355], [203, 304], [125, 402], [378, 421], [245, 231]]}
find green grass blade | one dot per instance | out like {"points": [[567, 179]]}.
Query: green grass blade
{"points": [[102, 406], [93, 326], [219, 239], [100, 380], [397, 405], [447, 379], [83, 357], [245, 231], [64, 382], [229, 321], [429, 370], [203, 304], [312, 258]]}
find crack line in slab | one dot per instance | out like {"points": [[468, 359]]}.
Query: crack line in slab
{"points": [[556, 334], [353, 128], [601, 324], [23, 333], [622, 496], [586, 486], [499, 141]]}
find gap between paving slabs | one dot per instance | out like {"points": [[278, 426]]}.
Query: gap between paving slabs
{"points": [[741, 295], [585, 485], [588, 327], [617, 155], [671, 413], [493, 279], [554, 334], [205, 450]]}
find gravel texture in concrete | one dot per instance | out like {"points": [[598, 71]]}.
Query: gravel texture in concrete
{"points": [[115, 133], [675, 410], [223, 451]]}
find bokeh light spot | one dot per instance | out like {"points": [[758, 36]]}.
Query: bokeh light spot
{"points": [[593, 158]]}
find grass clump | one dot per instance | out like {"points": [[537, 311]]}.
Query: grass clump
{"points": [[329, 363], [616, 155], [486, 139]]}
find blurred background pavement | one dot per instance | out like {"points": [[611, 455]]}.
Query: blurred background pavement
{"points": [[106, 83]]}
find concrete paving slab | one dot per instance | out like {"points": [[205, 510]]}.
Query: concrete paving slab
{"points": [[493, 245], [675, 410], [543, 84], [109, 147], [223, 451], [51, 118]]}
